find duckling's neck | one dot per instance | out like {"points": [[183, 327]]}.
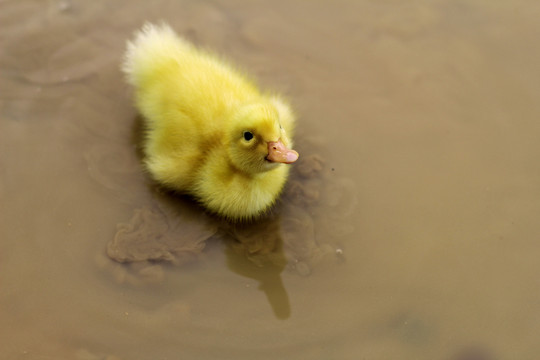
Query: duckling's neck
{"points": [[250, 174]]}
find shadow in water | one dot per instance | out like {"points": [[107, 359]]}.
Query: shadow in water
{"points": [[256, 251]]}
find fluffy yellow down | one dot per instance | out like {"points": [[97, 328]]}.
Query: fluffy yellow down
{"points": [[210, 132]]}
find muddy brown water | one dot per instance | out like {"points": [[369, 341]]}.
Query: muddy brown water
{"points": [[410, 228]]}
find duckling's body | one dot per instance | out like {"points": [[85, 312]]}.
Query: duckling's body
{"points": [[210, 132]]}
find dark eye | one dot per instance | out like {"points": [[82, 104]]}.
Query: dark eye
{"points": [[248, 135]]}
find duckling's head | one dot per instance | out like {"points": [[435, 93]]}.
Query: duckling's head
{"points": [[257, 141]]}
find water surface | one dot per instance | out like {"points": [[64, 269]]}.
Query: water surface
{"points": [[409, 229]]}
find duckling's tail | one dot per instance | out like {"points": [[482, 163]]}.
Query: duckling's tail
{"points": [[154, 47]]}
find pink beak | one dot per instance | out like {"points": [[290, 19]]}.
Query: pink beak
{"points": [[277, 152]]}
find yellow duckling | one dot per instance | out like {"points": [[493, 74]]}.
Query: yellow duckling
{"points": [[210, 132]]}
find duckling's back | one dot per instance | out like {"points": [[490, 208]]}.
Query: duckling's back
{"points": [[170, 74]]}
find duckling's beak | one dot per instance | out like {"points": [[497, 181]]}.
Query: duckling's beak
{"points": [[278, 152]]}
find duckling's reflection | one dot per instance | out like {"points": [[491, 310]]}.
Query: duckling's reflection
{"points": [[256, 251]]}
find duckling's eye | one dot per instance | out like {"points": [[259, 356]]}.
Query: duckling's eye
{"points": [[248, 135]]}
